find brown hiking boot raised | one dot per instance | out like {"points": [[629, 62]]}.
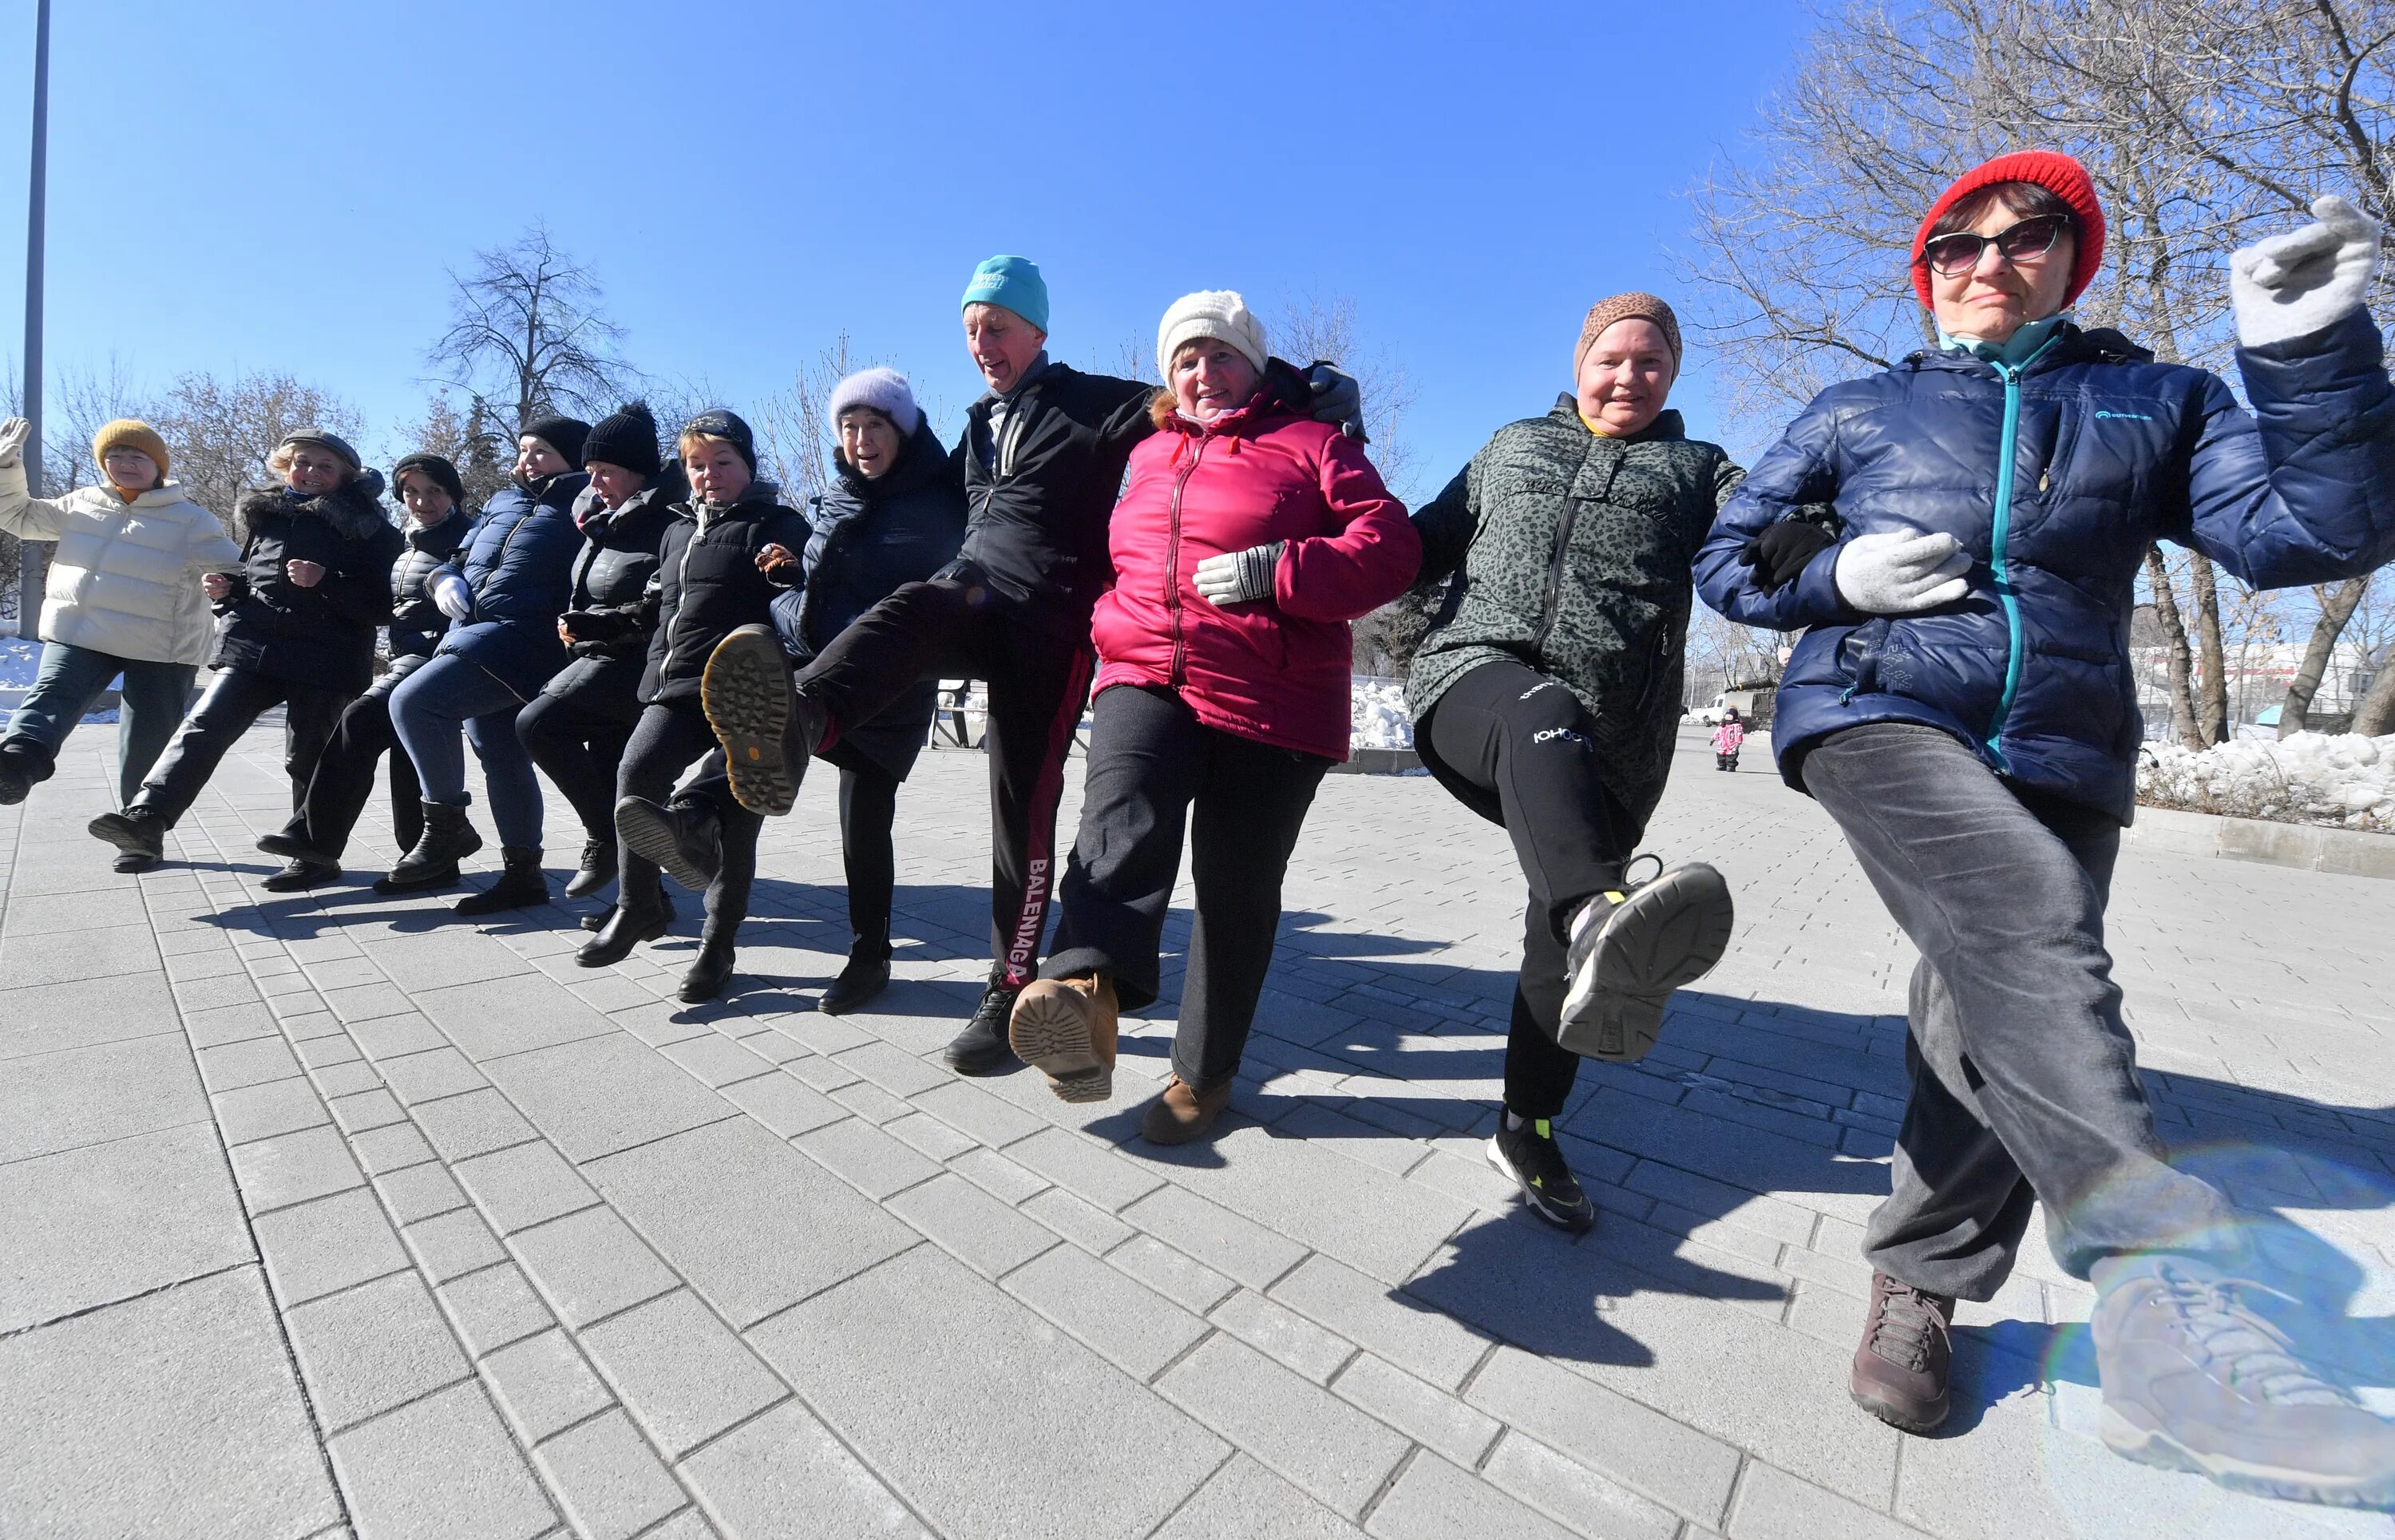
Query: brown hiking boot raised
{"points": [[1901, 1368], [1065, 1028], [1183, 1114]]}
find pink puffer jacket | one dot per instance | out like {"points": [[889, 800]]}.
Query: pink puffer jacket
{"points": [[1276, 670]]}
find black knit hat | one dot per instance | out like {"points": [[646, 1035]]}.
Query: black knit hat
{"points": [[563, 434], [719, 423], [628, 438], [437, 467]]}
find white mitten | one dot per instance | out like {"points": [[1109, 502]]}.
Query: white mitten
{"points": [[1902, 571], [452, 597], [13, 434], [2293, 285]]}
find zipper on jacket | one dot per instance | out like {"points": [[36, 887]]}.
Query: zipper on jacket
{"points": [[1555, 572], [1173, 566], [1999, 554], [681, 591]]}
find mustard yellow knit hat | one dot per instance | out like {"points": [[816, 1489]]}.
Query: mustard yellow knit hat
{"points": [[130, 433]]}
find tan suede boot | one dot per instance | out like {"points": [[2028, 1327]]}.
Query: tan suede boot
{"points": [[1183, 1114], [1064, 1027]]}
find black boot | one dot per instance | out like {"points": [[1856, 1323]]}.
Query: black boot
{"points": [[290, 842], [598, 868], [982, 1048], [711, 973], [521, 884], [449, 837], [299, 874], [868, 975], [768, 731], [20, 771], [635, 919], [597, 920], [685, 837], [136, 831]]}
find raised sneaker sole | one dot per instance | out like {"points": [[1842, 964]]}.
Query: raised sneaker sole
{"points": [[1050, 1031], [1577, 1221], [2133, 1440], [648, 830], [1896, 1418], [1665, 935], [746, 693]]}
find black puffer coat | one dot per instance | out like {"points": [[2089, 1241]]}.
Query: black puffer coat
{"points": [[615, 599], [870, 537], [317, 638], [417, 623], [708, 584]]}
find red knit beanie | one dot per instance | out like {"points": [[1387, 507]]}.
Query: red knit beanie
{"points": [[2051, 169]]}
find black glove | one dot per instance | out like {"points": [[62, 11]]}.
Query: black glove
{"points": [[1783, 550], [599, 625]]}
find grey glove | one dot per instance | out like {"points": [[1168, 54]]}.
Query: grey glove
{"points": [[13, 434], [1336, 398], [1240, 576], [2293, 285], [1902, 571]]}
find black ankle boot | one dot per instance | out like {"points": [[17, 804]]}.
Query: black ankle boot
{"points": [[627, 925], [521, 884], [597, 920], [449, 837], [711, 973], [684, 837], [136, 831], [598, 867], [867, 975]]}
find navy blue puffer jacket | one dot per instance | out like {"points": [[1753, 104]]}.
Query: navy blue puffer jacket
{"points": [[2055, 480], [519, 564]]}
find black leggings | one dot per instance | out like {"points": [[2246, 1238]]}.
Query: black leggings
{"points": [[236, 698], [668, 741], [1151, 762], [1509, 732], [578, 739]]}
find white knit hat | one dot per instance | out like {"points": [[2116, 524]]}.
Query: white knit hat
{"points": [[1210, 312], [885, 390]]}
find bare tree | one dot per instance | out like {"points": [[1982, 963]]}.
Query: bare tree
{"points": [[2337, 606], [794, 432], [527, 334], [220, 433]]}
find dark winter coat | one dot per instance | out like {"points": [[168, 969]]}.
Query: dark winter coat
{"points": [[1035, 527], [1571, 552], [1277, 670], [316, 638], [417, 623], [708, 586], [868, 538], [519, 563], [614, 597], [2055, 477]]}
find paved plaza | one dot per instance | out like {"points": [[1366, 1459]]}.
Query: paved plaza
{"points": [[331, 1214]]}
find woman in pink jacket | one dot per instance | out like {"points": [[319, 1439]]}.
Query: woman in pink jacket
{"points": [[1247, 537]]}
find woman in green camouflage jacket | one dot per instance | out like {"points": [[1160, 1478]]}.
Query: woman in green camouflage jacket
{"points": [[1546, 698]]}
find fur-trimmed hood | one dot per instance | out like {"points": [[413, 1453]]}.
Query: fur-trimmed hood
{"points": [[353, 509]]}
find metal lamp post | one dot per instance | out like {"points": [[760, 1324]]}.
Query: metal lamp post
{"points": [[32, 566]]}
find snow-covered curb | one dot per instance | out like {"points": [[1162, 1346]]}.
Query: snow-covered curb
{"points": [[2333, 780]]}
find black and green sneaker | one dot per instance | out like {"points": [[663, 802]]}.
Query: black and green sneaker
{"points": [[1529, 1155]]}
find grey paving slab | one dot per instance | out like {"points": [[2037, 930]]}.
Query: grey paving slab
{"points": [[545, 1385], [1434, 1500], [612, 1484], [55, 1101], [1244, 1501], [591, 1265], [971, 1226], [1126, 1322], [1577, 1497], [440, 1469], [45, 1017], [786, 1477], [597, 1095], [1326, 1447], [509, 1015], [293, 1168], [369, 1349], [683, 1374], [315, 1248], [523, 1185], [110, 1221]]}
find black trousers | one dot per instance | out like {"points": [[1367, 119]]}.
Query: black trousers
{"points": [[868, 811], [344, 778], [668, 740], [234, 699], [578, 739], [1038, 677], [1151, 763], [1509, 732]]}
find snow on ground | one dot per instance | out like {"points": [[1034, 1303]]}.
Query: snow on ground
{"points": [[2343, 779], [18, 658], [1381, 720]]}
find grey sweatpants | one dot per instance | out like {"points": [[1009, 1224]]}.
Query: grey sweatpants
{"points": [[2024, 1079]]}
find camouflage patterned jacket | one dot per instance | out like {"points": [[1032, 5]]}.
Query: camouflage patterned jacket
{"points": [[1571, 554]]}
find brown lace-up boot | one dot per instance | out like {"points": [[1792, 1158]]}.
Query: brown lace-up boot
{"points": [[1064, 1027], [1900, 1369]]}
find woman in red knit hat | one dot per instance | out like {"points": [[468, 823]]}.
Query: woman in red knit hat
{"points": [[1962, 703]]}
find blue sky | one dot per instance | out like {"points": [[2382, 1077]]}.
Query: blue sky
{"points": [[251, 185]]}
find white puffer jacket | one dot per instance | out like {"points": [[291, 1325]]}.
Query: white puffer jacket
{"points": [[126, 578]]}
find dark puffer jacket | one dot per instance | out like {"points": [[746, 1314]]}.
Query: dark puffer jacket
{"points": [[316, 638], [519, 563], [1571, 553], [614, 594], [708, 586], [2055, 477], [869, 537], [417, 623]]}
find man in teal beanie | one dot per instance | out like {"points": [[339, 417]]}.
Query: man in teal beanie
{"points": [[1013, 282], [1042, 458]]}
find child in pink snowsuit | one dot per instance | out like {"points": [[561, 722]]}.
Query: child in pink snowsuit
{"points": [[1727, 738]]}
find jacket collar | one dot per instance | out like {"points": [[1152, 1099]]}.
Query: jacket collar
{"points": [[2069, 344], [1668, 423]]}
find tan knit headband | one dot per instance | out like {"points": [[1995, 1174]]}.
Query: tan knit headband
{"points": [[1633, 306]]}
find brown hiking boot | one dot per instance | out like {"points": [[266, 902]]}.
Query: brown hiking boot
{"points": [[1900, 1369], [1183, 1114], [1064, 1027]]}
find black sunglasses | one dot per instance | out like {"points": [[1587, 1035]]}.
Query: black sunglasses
{"points": [[2026, 242]]}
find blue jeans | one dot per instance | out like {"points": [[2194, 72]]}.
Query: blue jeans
{"points": [[428, 708], [69, 680]]}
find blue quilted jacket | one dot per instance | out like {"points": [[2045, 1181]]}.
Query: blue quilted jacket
{"points": [[519, 560], [2055, 475]]}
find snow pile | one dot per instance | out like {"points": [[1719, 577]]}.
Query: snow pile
{"points": [[1379, 715], [19, 658], [2342, 779]]}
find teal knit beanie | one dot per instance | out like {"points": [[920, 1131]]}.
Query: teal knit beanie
{"points": [[1013, 282]]}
